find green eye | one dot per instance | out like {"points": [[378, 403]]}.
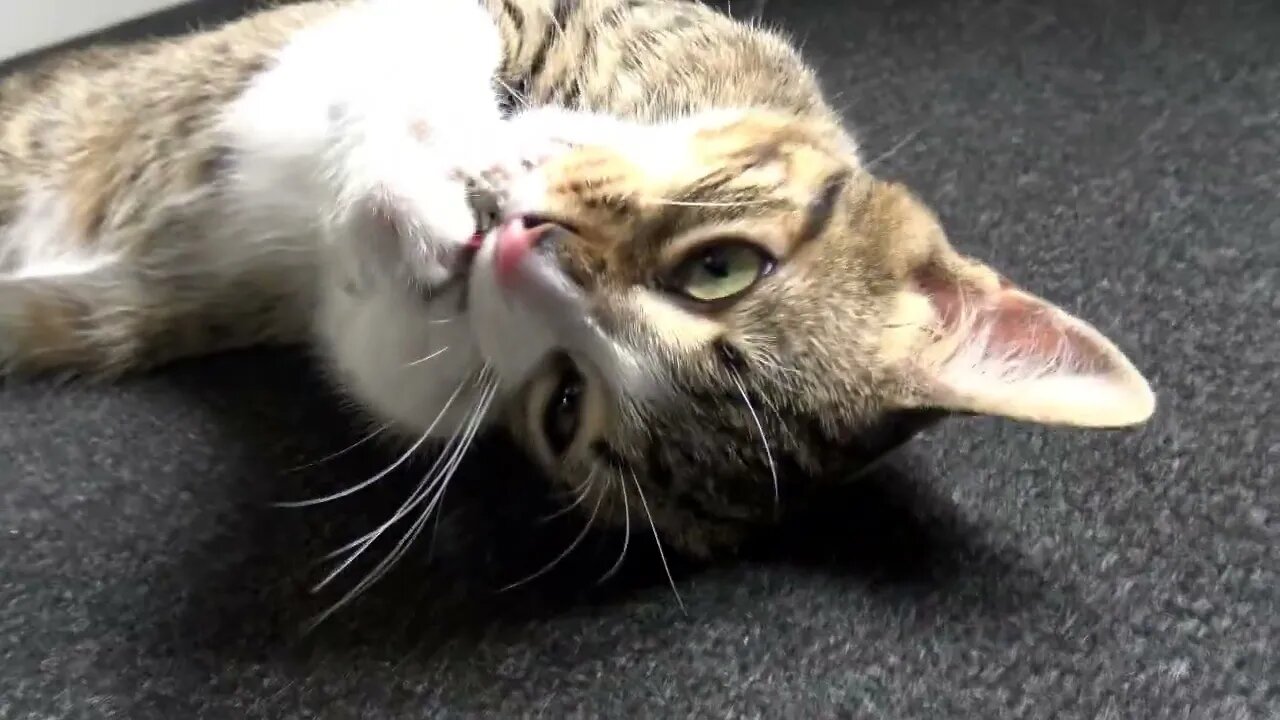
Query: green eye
{"points": [[719, 272]]}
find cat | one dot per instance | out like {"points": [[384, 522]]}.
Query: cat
{"points": [[632, 234]]}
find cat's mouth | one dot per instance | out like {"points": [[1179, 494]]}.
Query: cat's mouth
{"points": [[459, 266]]}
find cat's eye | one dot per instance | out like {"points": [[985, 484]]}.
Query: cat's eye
{"points": [[721, 271], [562, 414]]}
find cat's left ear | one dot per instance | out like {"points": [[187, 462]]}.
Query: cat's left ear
{"points": [[966, 339]]}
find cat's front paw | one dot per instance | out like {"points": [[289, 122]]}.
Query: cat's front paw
{"points": [[430, 226], [410, 221]]}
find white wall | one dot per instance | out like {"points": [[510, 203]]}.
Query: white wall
{"points": [[27, 25]]}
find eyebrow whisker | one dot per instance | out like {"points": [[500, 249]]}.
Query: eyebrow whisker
{"points": [[707, 204]]}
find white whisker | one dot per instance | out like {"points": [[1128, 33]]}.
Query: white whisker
{"points": [[657, 542], [380, 571], [580, 494], [359, 486], [554, 22], [708, 204], [559, 558], [390, 469], [764, 439], [626, 538], [897, 147], [428, 358], [442, 483], [435, 532], [420, 493], [333, 456], [521, 99], [362, 543]]}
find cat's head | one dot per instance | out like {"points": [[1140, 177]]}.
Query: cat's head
{"points": [[695, 318]]}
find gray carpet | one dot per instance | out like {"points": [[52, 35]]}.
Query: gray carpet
{"points": [[1122, 161]]}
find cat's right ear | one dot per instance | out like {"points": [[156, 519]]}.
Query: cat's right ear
{"points": [[966, 339]]}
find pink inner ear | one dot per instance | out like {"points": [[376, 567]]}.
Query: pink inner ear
{"points": [[1030, 327], [998, 350], [1015, 325]]}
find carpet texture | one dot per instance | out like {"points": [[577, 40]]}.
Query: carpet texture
{"points": [[1122, 159]]}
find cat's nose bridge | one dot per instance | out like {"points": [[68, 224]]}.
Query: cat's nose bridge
{"points": [[579, 257], [597, 255]]}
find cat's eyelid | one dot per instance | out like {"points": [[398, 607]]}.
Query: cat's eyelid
{"points": [[756, 234]]}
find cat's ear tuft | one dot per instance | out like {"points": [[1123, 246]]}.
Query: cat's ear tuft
{"points": [[971, 341]]}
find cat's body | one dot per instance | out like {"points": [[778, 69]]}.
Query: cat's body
{"points": [[691, 289]]}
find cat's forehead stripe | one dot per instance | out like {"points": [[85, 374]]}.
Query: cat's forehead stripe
{"points": [[818, 214]]}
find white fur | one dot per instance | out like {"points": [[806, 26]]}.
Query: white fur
{"points": [[383, 103]]}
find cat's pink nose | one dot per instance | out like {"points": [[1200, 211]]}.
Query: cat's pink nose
{"points": [[515, 240]]}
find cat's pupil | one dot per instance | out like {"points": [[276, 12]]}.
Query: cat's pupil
{"points": [[566, 406], [716, 264], [563, 411]]}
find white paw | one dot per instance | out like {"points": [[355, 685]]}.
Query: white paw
{"points": [[429, 223], [407, 217]]}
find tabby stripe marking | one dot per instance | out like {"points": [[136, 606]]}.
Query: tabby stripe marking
{"points": [[515, 16], [818, 215], [556, 32]]}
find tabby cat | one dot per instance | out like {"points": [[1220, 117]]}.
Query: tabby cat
{"points": [[631, 233]]}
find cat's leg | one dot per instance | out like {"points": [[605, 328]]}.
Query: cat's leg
{"points": [[66, 301], [111, 314], [184, 280], [367, 118], [67, 318]]}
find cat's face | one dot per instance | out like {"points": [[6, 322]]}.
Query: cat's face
{"points": [[696, 319]]}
